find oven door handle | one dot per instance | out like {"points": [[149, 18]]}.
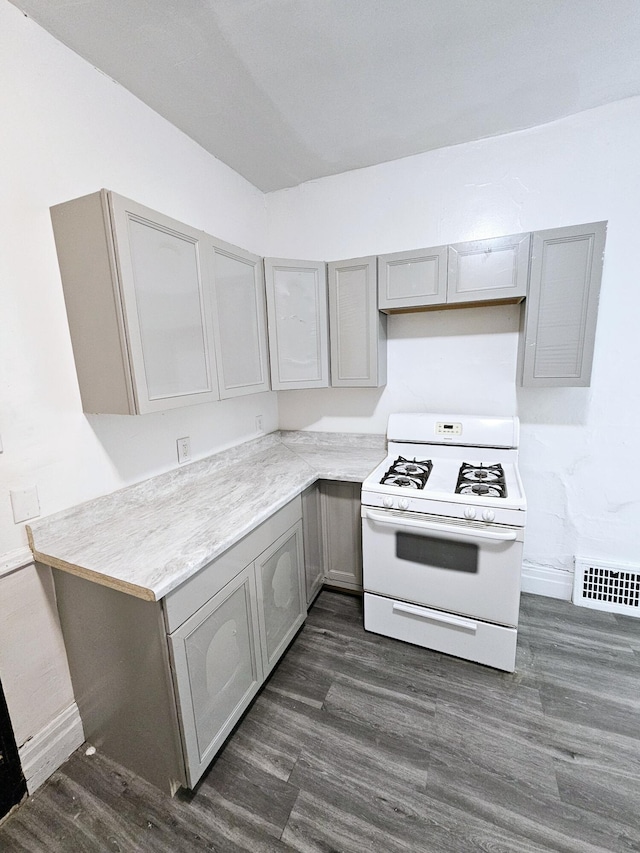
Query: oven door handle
{"points": [[442, 531], [436, 616]]}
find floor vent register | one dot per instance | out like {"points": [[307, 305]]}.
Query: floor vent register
{"points": [[607, 586]]}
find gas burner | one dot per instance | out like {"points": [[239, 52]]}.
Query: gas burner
{"points": [[484, 480], [408, 473]]}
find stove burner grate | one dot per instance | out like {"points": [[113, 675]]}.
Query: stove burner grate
{"points": [[484, 480], [408, 473]]}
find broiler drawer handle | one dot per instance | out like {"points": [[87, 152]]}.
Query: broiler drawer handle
{"points": [[436, 616]]}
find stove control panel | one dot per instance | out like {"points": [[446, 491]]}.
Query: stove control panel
{"points": [[443, 428]]}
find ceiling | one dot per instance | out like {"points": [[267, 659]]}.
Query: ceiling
{"points": [[285, 91]]}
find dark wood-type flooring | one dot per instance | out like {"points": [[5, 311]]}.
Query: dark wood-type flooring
{"points": [[361, 743]]}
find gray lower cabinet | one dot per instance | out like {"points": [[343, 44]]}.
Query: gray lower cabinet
{"points": [[562, 305], [342, 534], [357, 330], [160, 684], [281, 596], [217, 669], [312, 527]]}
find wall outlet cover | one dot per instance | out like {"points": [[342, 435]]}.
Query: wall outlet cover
{"points": [[25, 504], [184, 449]]}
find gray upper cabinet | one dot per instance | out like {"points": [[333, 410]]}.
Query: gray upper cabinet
{"points": [[239, 319], [477, 271], [138, 306], [562, 305], [485, 270], [298, 327], [357, 330], [412, 279]]}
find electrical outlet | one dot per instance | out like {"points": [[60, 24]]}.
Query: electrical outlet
{"points": [[184, 449], [25, 504], [259, 424]]}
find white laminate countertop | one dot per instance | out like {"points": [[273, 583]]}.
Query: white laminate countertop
{"points": [[149, 538]]}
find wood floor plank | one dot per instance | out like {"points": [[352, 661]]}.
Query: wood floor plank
{"points": [[362, 743]]}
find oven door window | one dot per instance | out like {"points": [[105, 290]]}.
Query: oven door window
{"points": [[438, 553]]}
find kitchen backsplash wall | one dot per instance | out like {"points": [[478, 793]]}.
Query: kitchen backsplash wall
{"points": [[577, 444]]}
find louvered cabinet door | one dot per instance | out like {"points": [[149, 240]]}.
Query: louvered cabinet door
{"points": [[357, 330], [562, 305]]}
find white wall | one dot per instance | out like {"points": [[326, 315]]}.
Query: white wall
{"points": [[68, 130], [577, 445]]}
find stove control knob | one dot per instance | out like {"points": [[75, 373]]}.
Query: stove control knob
{"points": [[388, 502], [469, 512], [403, 503], [488, 515]]}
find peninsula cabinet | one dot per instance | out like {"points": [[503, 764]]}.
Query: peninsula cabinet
{"points": [[239, 319], [357, 330], [298, 326], [161, 684], [463, 273], [562, 304], [138, 306]]}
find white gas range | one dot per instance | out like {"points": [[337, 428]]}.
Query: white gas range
{"points": [[442, 534]]}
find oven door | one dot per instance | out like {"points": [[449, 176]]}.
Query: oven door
{"points": [[461, 567]]}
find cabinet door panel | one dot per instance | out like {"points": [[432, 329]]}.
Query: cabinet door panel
{"points": [[217, 669], [342, 534], [165, 306], [312, 541], [298, 327], [239, 320], [357, 329], [280, 592], [488, 269], [562, 305], [412, 279]]}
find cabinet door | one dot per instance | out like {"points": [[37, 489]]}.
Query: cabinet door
{"points": [[412, 279], [485, 270], [298, 326], [342, 534], [562, 305], [357, 330], [239, 319], [282, 610], [312, 541], [166, 308], [217, 669]]}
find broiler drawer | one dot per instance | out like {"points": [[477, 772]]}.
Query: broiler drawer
{"points": [[461, 636]]}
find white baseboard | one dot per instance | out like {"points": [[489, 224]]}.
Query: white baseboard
{"points": [[542, 580], [42, 754]]}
